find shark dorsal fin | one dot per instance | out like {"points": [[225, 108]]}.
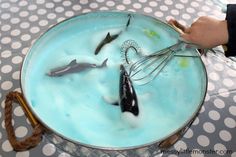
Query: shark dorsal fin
{"points": [[108, 37], [73, 62]]}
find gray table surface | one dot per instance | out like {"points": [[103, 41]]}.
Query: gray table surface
{"points": [[213, 133]]}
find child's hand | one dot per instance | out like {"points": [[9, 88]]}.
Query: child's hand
{"points": [[206, 32]]}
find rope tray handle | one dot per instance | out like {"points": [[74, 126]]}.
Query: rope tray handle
{"points": [[30, 141]]}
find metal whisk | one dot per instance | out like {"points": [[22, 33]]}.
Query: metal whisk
{"points": [[147, 67]]}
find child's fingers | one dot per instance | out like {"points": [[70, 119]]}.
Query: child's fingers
{"points": [[181, 28]]}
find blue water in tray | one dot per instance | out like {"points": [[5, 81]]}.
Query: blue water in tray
{"points": [[77, 105]]}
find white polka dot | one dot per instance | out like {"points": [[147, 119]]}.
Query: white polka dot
{"points": [[196, 121], [207, 98], [225, 135], [14, 9], [51, 16], [25, 37], [93, 5], [184, 1], [229, 122], [197, 153], [15, 32], [6, 69], [15, 20], [23, 154], [214, 76], [209, 127], [190, 10], [33, 18], [40, 1], [232, 110], [210, 3], [16, 45], [60, 19], [110, 3], [6, 85], [76, 7], [180, 145], [18, 111], [64, 155], [214, 115], [25, 50], [233, 154], [0, 134], [153, 4], [6, 146], [142, 1], [84, 1], [147, 10], [5, 28], [6, 40], [120, 7], [49, 149], [158, 14], [228, 82], [169, 17], [164, 8], [32, 7], [203, 140], [189, 133], [231, 73], [43, 22], [103, 8], [100, 1], [168, 2], [234, 98], [69, 13], [6, 54], [179, 6], [205, 8], [210, 86], [41, 11], [3, 104], [66, 3], [17, 59], [5, 5], [24, 25], [219, 103], [126, 1], [21, 131], [34, 29], [186, 16], [24, 13], [59, 9], [224, 92], [88, 10], [137, 5], [174, 12], [202, 109], [5, 16], [201, 13], [195, 4], [220, 148], [50, 5], [23, 3]]}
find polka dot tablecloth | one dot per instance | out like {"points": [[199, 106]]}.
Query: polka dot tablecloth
{"points": [[213, 132]]}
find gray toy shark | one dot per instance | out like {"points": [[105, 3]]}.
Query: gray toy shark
{"points": [[74, 67]]}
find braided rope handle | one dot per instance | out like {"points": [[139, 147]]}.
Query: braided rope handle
{"points": [[28, 142]]}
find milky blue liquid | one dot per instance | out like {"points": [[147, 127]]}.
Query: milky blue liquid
{"points": [[76, 105]]}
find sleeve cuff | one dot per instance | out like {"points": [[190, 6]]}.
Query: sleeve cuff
{"points": [[231, 24]]}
